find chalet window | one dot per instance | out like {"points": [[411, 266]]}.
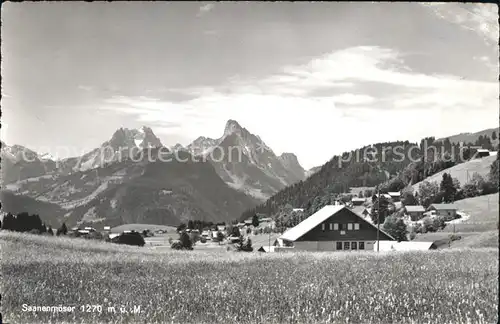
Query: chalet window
{"points": [[356, 226], [361, 245], [347, 245], [331, 226], [339, 245], [343, 227], [323, 226], [349, 226], [336, 227], [354, 245]]}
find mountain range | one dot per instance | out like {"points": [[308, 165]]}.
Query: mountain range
{"points": [[216, 180], [210, 179]]}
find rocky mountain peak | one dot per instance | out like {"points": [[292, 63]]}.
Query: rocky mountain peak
{"points": [[232, 126]]}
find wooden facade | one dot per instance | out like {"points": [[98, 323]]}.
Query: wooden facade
{"points": [[343, 230]]}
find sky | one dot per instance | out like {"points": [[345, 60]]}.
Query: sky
{"points": [[314, 79]]}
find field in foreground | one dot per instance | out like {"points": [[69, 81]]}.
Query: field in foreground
{"points": [[453, 286]]}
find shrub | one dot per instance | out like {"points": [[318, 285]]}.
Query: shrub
{"points": [[203, 240], [245, 245], [176, 245], [428, 225], [133, 238], [439, 223], [186, 242]]}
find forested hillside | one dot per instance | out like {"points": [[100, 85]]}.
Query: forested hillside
{"points": [[391, 165]]}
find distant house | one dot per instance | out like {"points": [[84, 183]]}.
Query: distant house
{"points": [[333, 228], [449, 211], [221, 228], [107, 228], [240, 225], [266, 220], [298, 210], [481, 153], [384, 195], [415, 212], [395, 196], [358, 201]]}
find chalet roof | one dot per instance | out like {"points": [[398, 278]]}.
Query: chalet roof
{"points": [[384, 195], [415, 208], [442, 207], [314, 220], [358, 199], [403, 246], [298, 209], [394, 194]]}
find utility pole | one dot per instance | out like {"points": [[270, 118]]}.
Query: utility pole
{"points": [[269, 241], [378, 219]]}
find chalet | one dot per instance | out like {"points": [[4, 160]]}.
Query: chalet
{"points": [[240, 225], [107, 228], [449, 211], [415, 212], [298, 210], [333, 228], [358, 201], [395, 196], [265, 220], [221, 228], [248, 222]]}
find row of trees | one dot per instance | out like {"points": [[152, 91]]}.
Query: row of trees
{"points": [[24, 222], [197, 225]]}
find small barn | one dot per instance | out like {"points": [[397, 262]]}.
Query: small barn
{"points": [[415, 212], [481, 153], [334, 228], [358, 201], [395, 196], [266, 248], [406, 246]]}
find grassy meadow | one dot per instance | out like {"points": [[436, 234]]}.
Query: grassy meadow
{"points": [[449, 286]]}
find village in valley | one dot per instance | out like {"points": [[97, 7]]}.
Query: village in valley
{"points": [[348, 224]]}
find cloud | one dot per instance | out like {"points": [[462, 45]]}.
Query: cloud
{"points": [[283, 109], [85, 88], [205, 9], [481, 18]]}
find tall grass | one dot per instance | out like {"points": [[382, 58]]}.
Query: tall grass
{"points": [[454, 286]]}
